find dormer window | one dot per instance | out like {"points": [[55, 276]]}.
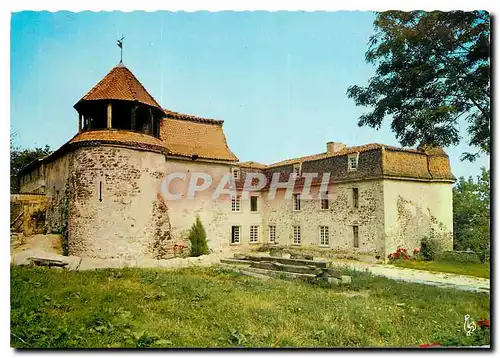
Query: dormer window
{"points": [[352, 161], [236, 173], [296, 169]]}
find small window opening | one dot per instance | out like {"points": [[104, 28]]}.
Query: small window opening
{"points": [[355, 235]]}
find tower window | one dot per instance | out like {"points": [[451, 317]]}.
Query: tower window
{"points": [[100, 191]]}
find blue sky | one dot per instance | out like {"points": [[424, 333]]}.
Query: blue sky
{"points": [[278, 80]]}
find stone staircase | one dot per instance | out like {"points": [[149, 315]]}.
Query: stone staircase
{"points": [[280, 267]]}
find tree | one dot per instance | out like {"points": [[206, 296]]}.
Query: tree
{"points": [[198, 238], [19, 158], [433, 69], [471, 214]]}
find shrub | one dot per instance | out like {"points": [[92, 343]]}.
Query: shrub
{"points": [[402, 254], [429, 248], [198, 238], [459, 256], [484, 252]]}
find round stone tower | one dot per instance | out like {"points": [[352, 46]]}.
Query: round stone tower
{"points": [[115, 164]]}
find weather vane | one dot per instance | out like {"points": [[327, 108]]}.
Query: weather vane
{"points": [[120, 45]]}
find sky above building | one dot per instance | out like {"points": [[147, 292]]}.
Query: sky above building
{"points": [[278, 80]]}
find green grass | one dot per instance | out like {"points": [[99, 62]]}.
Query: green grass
{"points": [[461, 268], [215, 307]]}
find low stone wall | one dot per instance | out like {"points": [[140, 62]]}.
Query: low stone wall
{"points": [[27, 213]]}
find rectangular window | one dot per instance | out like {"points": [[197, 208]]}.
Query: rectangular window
{"points": [[254, 203], [324, 236], [272, 234], [296, 202], [355, 197], [352, 161], [355, 235], [324, 201], [235, 203], [296, 169], [236, 173], [254, 233], [235, 234], [296, 235]]}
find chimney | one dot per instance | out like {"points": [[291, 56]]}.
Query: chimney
{"points": [[332, 147]]}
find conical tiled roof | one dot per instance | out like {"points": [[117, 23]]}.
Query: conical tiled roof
{"points": [[121, 84]]}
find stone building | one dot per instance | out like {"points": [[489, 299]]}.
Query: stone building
{"points": [[104, 186]]}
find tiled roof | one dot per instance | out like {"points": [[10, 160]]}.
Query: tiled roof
{"points": [[190, 117], [359, 148], [121, 84], [252, 165], [117, 135], [195, 136]]}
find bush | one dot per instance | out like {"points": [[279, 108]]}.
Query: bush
{"points": [[459, 256], [429, 248], [198, 238], [402, 254], [484, 252]]}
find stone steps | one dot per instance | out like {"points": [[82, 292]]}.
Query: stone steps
{"points": [[254, 271], [286, 268], [276, 266], [235, 261], [285, 261]]}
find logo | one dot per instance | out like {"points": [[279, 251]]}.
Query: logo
{"points": [[469, 326]]}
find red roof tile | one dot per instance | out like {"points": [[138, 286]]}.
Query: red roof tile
{"points": [[120, 84], [252, 165], [196, 136], [117, 135]]}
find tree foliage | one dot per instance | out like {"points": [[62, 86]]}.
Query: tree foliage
{"points": [[471, 214], [433, 69], [198, 238], [19, 158]]}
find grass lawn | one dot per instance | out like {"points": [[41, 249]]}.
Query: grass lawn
{"points": [[461, 268], [215, 307]]}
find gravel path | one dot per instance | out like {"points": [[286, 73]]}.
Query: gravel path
{"points": [[460, 282]]}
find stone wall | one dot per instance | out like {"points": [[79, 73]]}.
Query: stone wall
{"points": [[115, 210], [340, 217], [110, 200], [57, 191], [29, 210], [216, 215], [416, 209], [33, 182]]}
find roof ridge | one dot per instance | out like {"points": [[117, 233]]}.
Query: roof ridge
{"points": [[189, 117], [131, 88], [140, 84]]}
